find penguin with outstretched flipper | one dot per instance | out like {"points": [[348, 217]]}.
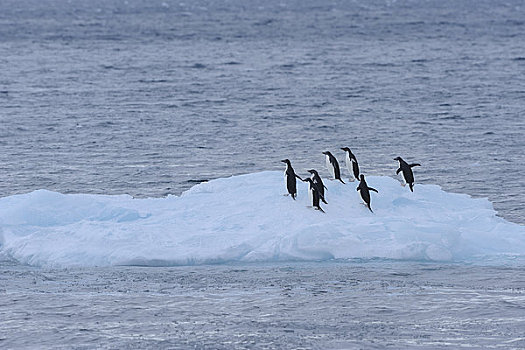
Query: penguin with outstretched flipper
{"points": [[406, 168], [315, 194], [364, 190], [316, 179]]}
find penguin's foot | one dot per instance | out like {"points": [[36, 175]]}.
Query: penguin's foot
{"points": [[286, 194], [403, 184]]}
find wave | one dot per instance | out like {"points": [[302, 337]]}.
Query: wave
{"points": [[247, 218]]}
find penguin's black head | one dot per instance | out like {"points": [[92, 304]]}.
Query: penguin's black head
{"points": [[312, 171], [398, 158], [362, 177], [285, 161], [346, 149], [327, 153]]}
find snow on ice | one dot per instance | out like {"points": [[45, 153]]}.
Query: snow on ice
{"points": [[247, 218]]}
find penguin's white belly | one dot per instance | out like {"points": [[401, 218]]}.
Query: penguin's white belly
{"points": [[404, 180], [330, 167], [349, 165], [352, 171], [310, 194]]}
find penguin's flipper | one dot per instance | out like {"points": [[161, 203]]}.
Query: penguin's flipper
{"points": [[297, 176], [398, 170], [341, 180], [411, 185], [414, 164], [316, 188], [358, 188], [373, 189], [356, 173], [368, 205]]}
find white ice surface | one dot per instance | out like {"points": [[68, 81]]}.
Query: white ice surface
{"points": [[247, 218]]}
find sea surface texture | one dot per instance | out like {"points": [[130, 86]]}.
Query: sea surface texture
{"points": [[149, 97], [111, 109], [367, 305]]}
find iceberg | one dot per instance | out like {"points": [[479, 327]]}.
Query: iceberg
{"points": [[247, 218]]}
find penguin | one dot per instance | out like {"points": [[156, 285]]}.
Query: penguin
{"points": [[351, 164], [314, 194], [290, 176], [333, 166], [408, 175], [365, 191], [316, 179]]}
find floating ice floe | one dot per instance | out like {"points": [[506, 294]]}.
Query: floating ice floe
{"points": [[247, 218]]}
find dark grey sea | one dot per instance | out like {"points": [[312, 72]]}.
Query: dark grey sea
{"points": [[149, 98]]}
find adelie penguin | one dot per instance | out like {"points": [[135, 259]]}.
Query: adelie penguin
{"points": [[314, 194], [316, 179], [333, 166], [408, 175], [365, 191], [289, 175], [351, 164]]}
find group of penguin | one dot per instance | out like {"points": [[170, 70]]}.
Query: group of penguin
{"points": [[316, 187]]}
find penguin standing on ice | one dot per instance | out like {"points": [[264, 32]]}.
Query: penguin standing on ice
{"points": [[365, 191], [316, 179], [351, 164], [314, 194], [408, 175], [290, 176], [333, 166]]}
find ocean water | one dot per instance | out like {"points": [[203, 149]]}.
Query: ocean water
{"points": [[149, 98], [352, 305]]}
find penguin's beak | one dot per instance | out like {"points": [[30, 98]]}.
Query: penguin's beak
{"points": [[284, 161]]}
